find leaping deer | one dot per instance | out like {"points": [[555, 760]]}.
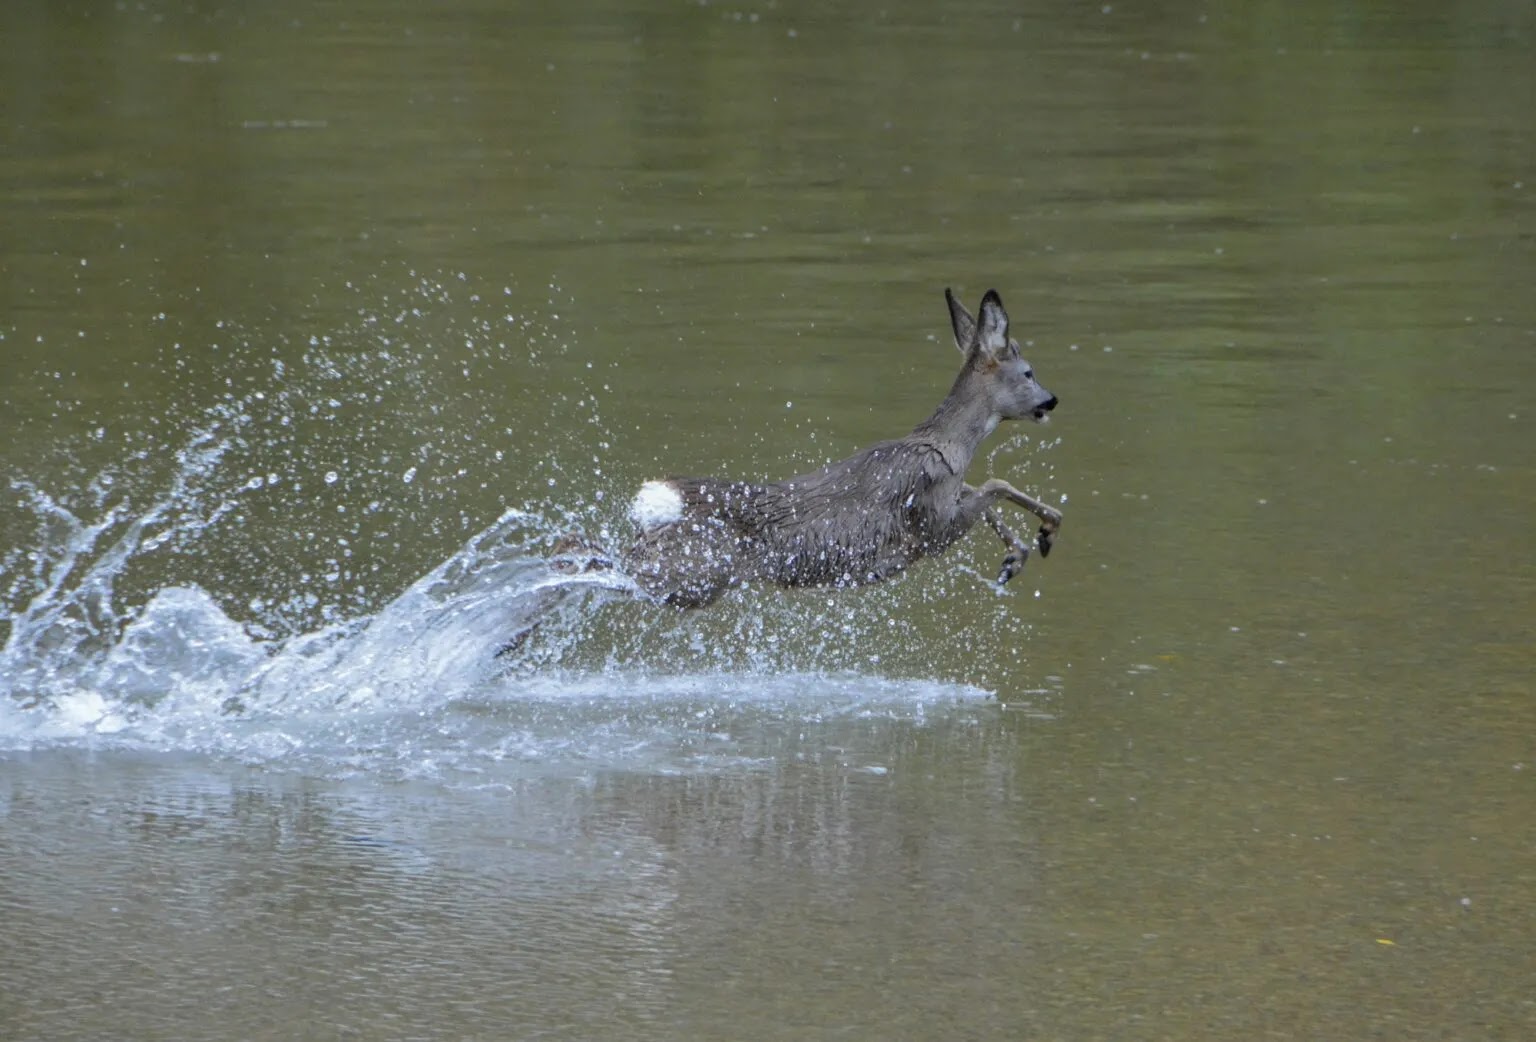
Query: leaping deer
{"points": [[859, 520]]}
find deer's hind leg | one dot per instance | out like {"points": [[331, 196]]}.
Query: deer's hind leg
{"points": [[686, 564]]}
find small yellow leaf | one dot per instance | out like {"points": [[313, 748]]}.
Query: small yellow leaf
{"points": [[1383, 940]]}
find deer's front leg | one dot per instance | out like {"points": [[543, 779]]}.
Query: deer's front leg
{"points": [[1050, 518], [1018, 550]]}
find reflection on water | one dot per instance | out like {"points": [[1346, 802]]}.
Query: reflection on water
{"points": [[298, 302], [356, 906]]}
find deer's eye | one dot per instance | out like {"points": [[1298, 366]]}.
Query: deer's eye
{"points": [[1029, 374]]}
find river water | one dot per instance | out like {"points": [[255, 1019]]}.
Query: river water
{"points": [[320, 324]]}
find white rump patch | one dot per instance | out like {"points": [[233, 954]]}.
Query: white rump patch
{"points": [[656, 504]]}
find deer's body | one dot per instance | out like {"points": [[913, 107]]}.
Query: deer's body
{"points": [[859, 520]]}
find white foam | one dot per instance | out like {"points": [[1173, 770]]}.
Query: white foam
{"points": [[656, 504]]}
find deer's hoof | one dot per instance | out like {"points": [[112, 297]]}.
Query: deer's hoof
{"points": [[1046, 538], [1012, 564]]}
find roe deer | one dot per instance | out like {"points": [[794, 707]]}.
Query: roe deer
{"points": [[860, 520]]}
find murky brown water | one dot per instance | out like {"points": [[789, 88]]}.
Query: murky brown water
{"points": [[322, 291]]}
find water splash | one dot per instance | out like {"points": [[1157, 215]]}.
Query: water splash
{"points": [[72, 615], [72, 645]]}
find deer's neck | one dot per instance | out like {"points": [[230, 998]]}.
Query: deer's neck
{"points": [[958, 426]]}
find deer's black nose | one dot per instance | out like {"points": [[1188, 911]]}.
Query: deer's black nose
{"points": [[1048, 406]]}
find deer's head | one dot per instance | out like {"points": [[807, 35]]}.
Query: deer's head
{"points": [[993, 364]]}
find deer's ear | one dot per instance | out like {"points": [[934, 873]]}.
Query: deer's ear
{"points": [[962, 323], [992, 330]]}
